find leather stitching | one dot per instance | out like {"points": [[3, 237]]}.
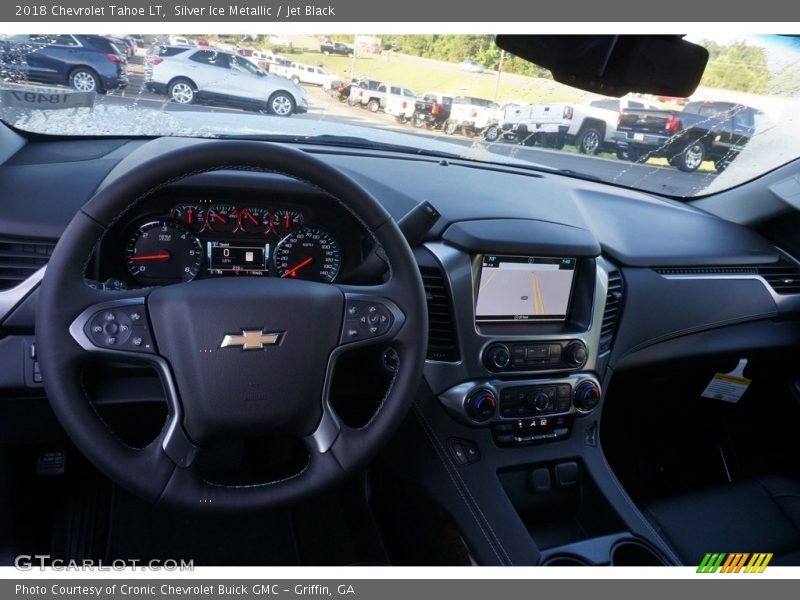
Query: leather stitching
{"points": [[453, 474]]}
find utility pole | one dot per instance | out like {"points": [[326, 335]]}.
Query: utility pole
{"points": [[499, 70], [353, 61]]}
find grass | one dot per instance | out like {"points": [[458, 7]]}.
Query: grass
{"points": [[422, 75]]}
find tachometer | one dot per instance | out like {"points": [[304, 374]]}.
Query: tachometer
{"points": [[163, 252], [308, 253]]}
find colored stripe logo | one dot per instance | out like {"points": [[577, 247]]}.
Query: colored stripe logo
{"points": [[736, 562]]}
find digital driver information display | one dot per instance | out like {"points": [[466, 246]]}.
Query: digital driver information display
{"points": [[524, 288], [231, 258]]}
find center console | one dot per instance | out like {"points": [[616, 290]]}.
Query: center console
{"points": [[522, 318], [529, 329]]}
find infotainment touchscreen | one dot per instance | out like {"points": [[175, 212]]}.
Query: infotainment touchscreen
{"points": [[524, 288]]}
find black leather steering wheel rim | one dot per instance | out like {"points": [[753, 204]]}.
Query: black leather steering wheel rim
{"points": [[155, 472]]}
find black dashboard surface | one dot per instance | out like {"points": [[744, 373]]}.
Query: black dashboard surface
{"points": [[522, 211], [633, 229]]}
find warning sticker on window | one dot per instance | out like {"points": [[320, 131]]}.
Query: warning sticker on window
{"points": [[728, 387]]}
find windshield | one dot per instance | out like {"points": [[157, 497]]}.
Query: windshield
{"points": [[444, 95]]}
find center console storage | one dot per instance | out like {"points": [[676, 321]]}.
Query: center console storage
{"points": [[569, 518]]}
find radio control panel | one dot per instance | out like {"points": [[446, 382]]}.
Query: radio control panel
{"points": [[504, 357]]}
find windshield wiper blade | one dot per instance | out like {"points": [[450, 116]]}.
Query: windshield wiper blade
{"points": [[345, 141]]}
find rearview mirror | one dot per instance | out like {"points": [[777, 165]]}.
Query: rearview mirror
{"points": [[615, 65]]}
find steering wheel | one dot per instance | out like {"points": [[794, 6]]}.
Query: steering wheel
{"points": [[237, 356]]}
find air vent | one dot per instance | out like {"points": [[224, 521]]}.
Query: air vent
{"points": [[707, 270], [783, 277], [611, 314], [442, 339], [19, 259]]}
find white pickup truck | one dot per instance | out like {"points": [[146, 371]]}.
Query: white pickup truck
{"points": [[302, 73], [472, 116], [397, 101], [591, 127]]}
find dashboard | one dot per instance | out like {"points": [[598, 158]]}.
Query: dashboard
{"points": [[184, 236], [540, 290], [534, 280]]}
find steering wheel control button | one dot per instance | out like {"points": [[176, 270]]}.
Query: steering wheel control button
{"points": [[120, 328], [481, 405], [365, 319]]}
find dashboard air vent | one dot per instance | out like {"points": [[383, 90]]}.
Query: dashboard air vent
{"points": [[613, 308], [782, 276], [19, 259], [442, 339]]}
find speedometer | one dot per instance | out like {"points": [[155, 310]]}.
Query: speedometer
{"points": [[309, 253]]}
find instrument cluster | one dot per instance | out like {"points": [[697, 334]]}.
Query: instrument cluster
{"points": [[219, 239]]}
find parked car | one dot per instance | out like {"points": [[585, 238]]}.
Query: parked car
{"points": [[124, 44], [715, 131], [471, 115], [432, 109], [179, 40], [279, 40], [366, 93], [470, 66], [302, 73], [590, 127], [213, 76], [87, 63], [398, 101], [335, 48], [280, 67]]}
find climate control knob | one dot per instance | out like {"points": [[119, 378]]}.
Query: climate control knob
{"points": [[497, 356], [587, 396], [481, 405], [541, 402], [576, 354]]}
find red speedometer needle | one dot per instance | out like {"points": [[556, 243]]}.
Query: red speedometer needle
{"points": [[159, 256], [303, 263]]}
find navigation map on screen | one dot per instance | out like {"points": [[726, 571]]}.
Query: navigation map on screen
{"points": [[520, 288]]}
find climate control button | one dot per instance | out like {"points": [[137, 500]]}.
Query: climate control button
{"points": [[587, 396], [481, 405]]}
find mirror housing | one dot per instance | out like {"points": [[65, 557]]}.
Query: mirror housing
{"points": [[615, 65]]}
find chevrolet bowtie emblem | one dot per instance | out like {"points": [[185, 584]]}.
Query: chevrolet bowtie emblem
{"points": [[254, 339]]}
